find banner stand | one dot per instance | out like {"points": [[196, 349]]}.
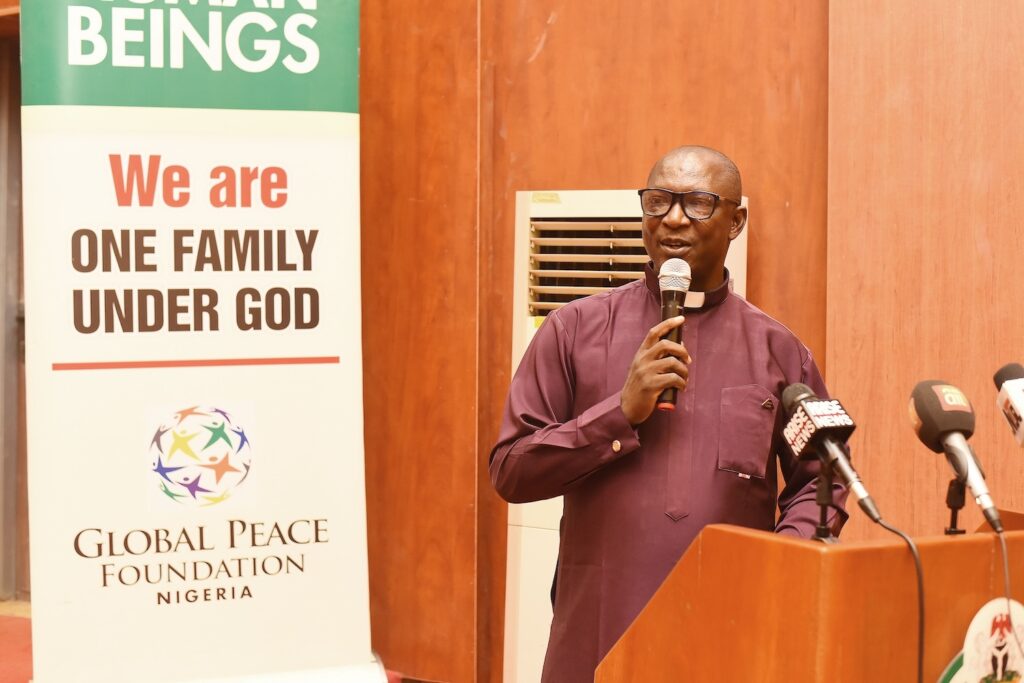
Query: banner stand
{"points": [[193, 341]]}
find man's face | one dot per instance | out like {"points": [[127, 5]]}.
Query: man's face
{"points": [[701, 243]]}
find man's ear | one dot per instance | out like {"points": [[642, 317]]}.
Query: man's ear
{"points": [[739, 221]]}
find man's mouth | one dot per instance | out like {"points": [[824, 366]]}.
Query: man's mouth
{"points": [[674, 245]]}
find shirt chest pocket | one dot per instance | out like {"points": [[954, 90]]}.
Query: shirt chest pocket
{"points": [[745, 426]]}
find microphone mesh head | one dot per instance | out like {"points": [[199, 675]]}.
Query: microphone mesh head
{"points": [[938, 408], [794, 393], [674, 275]]}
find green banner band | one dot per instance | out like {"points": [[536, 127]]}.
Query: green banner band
{"points": [[294, 55]]}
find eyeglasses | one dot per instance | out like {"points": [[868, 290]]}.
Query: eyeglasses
{"points": [[697, 205]]}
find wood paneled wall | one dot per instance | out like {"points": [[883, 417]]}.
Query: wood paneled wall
{"points": [[564, 94], [588, 95], [418, 106], [584, 95], [462, 104], [926, 190], [14, 576], [897, 124]]}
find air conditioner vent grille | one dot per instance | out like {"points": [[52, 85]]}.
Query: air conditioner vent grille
{"points": [[573, 259]]}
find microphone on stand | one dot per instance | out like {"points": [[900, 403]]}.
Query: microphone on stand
{"points": [[821, 427], [944, 420], [674, 281]]}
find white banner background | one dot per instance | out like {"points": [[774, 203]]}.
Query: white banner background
{"points": [[90, 462]]}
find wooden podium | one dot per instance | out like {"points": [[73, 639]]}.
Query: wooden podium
{"points": [[744, 605]]}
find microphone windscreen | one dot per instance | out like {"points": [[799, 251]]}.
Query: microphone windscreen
{"points": [[938, 408], [1008, 372], [793, 394], [674, 275]]}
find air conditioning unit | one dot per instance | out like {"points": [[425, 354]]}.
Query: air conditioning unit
{"points": [[568, 244]]}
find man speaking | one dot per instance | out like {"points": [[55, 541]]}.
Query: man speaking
{"points": [[639, 483]]}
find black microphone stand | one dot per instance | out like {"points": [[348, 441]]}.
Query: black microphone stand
{"points": [[955, 495], [823, 532]]}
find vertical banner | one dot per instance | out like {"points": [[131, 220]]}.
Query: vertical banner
{"points": [[193, 340]]}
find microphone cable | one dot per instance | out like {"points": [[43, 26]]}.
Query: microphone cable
{"points": [[807, 431], [920, 594], [1006, 585], [1007, 373]]}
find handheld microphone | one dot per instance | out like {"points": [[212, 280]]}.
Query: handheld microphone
{"points": [[1010, 383], [944, 420], [674, 281], [821, 427]]}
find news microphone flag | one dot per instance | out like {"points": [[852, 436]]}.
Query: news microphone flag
{"points": [[821, 427], [811, 419]]}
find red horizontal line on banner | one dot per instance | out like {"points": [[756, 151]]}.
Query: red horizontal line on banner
{"points": [[196, 363]]}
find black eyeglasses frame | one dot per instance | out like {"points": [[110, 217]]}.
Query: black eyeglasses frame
{"points": [[680, 198]]}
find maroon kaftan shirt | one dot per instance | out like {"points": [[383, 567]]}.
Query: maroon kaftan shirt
{"points": [[635, 499]]}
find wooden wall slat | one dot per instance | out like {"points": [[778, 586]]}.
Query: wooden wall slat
{"points": [[418, 107], [493, 376], [924, 243], [11, 55], [22, 570], [10, 14], [588, 96], [583, 95], [14, 580]]}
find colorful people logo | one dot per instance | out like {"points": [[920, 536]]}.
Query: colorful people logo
{"points": [[200, 456]]}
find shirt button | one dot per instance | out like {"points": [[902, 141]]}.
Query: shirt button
{"points": [[616, 446]]}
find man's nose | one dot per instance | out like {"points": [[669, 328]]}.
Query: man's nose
{"points": [[676, 217]]}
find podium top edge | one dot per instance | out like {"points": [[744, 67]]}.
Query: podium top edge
{"points": [[980, 538]]}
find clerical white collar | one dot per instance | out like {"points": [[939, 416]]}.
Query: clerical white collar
{"points": [[694, 300]]}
